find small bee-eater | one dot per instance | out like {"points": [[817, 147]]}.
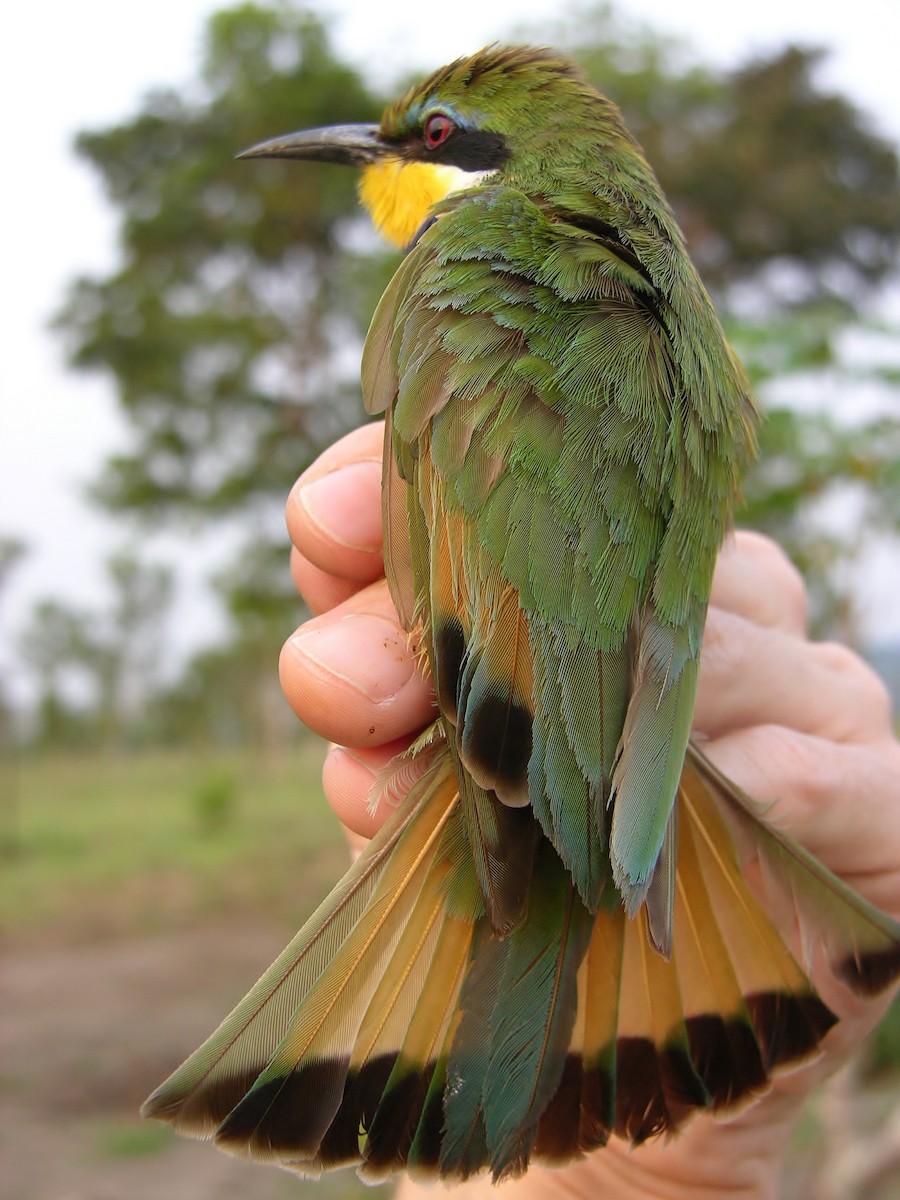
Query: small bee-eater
{"points": [[551, 941]]}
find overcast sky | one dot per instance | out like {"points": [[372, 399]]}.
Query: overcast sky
{"points": [[75, 64]]}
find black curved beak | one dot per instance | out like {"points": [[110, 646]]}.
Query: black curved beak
{"points": [[354, 145]]}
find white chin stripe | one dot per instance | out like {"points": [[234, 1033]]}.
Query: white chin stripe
{"points": [[461, 181]]}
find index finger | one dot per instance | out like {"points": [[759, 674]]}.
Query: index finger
{"points": [[334, 509]]}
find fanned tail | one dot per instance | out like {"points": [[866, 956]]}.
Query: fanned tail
{"points": [[402, 1030], [328, 1019]]}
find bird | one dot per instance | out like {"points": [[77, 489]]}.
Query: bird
{"points": [[552, 941]]}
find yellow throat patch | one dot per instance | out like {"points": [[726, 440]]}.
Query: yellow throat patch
{"points": [[398, 195]]}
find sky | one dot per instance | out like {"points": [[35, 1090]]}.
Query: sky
{"points": [[71, 66]]}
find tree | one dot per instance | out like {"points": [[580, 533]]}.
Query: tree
{"points": [[827, 481], [12, 551], [126, 652], [778, 183], [233, 322], [225, 326], [55, 644], [96, 670], [229, 694], [831, 185]]}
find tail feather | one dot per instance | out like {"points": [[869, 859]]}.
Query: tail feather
{"points": [[201, 1094], [560, 1137], [532, 1023], [464, 1145], [720, 1032], [406, 1112], [570, 768], [378, 1051], [602, 1000], [402, 1029], [788, 1019], [860, 941], [343, 1008]]}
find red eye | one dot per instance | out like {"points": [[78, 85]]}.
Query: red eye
{"points": [[438, 128]]}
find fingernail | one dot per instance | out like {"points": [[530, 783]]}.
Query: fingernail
{"points": [[332, 504], [342, 649]]}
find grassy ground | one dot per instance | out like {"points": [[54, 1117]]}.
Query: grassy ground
{"points": [[171, 837], [141, 897]]}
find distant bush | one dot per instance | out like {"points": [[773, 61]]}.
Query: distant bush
{"points": [[214, 801]]}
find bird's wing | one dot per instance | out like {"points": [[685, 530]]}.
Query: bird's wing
{"points": [[561, 500]]}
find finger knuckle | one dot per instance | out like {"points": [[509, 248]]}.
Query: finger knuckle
{"points": [[840, 659], [802, 764], [866, 691]]}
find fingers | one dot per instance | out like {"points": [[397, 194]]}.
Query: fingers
{"points": [[757, 667], [349, 778], [319, 589], [802, 727], [755, 579], [352, 676], [842, 802], [334, 515], [751, 675]]}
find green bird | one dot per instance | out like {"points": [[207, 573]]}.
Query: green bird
{"points": [[551, 941]]}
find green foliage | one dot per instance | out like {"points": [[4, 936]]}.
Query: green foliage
{"points": [[827, 481], [224, 323], [90, 827], [96, 669], [776, 181], [214, 800]]}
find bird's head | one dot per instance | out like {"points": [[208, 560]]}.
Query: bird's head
{"points": [[476, 117]]}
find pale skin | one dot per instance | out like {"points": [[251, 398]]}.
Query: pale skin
{"points": [[803, 726]]}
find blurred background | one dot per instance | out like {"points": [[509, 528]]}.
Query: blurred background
{"points": [[182, 335]]}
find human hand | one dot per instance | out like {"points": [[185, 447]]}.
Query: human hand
{"points": [[802, 726]]}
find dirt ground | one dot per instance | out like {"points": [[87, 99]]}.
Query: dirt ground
{"points": [[88, 1031]]}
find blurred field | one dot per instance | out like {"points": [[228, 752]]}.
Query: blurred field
{"points": [[142, 843], [141, 897]]}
